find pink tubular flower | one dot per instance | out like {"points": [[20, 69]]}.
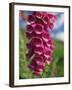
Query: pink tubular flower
{"points": [[39, 15], [40, 45], [45, 36], [39, 50], [37, 65], [36, 41], [38, 29], [46, 19]]}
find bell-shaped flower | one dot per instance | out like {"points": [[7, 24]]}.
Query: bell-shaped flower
{"points": [[36, 41], [38, 29], [39, 50], [45, 36], [37, 65], [45, 19], [39, 15]]}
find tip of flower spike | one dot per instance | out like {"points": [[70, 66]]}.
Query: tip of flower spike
{"points": [[39, 15], [38, 29]]}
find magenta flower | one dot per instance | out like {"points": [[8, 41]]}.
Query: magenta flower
{"points": [[39, 15], [38, 29], [40, 45], [36, 41], [39, 50], [37, 65], [31, 18], [29, 29]]}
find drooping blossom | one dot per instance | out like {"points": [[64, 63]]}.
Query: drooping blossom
{"points": [[40, 44]]}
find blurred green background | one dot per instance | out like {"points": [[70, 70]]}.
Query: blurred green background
{"points": [[55, 69]]}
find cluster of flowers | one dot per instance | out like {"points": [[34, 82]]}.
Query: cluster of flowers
{"points": [[40, 45]]}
